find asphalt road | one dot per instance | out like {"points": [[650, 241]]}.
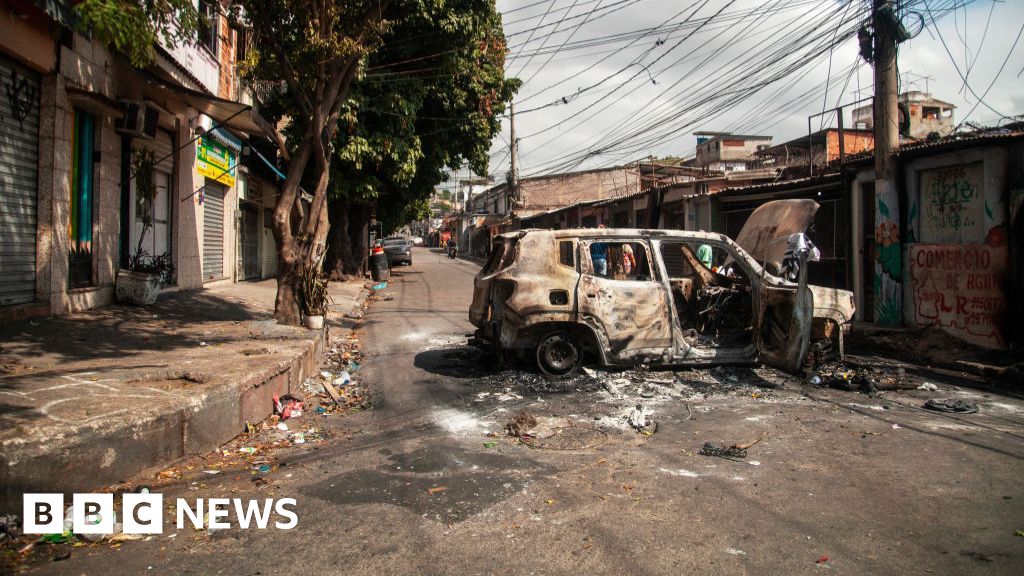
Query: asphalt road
{"points": [[841, 483]]}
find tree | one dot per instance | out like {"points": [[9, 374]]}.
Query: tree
{"points": [[316, 47], [429, 100], [134, 28]]}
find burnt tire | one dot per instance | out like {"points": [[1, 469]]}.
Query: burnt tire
{"points": [[559, 354]]}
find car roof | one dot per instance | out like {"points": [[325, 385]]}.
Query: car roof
{"points": [[620, 232]]}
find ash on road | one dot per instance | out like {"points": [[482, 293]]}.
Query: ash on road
{"points": [[429, 482]]}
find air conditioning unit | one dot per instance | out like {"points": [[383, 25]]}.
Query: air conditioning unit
{"points": [[139, 119]]}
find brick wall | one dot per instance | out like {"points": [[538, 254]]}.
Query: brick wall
{"points": [[226, 61], [549, 193]]}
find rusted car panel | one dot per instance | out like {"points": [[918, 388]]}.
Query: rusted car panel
{"points": [[541, 283]]}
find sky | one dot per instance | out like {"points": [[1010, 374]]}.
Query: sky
{"points": [[608, 82]]}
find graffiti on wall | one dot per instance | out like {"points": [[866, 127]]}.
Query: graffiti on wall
{"points": [[953, 204], [960, 287]]}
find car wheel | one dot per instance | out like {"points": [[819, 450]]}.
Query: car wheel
{"points": [[559, 354]]}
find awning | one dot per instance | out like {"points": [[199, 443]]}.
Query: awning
{"points": [[226, 138], [273, 168], [486, 220], [226, 113]]}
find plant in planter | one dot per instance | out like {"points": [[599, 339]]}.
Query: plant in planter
{"points": [[315, 298], [140, 284]]}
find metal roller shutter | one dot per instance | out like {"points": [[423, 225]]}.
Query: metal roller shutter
{"points": [[213, 231], [19, 168]]}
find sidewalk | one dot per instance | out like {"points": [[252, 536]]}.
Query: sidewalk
{"points": [[89, 399]]}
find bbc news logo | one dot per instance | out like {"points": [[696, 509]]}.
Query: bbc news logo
{"points": [[144, 513]]}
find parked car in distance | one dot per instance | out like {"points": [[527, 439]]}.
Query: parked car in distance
{"points": [[658, 297], [417, 241], [398, 250]]}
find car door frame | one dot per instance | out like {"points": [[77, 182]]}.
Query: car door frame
{"points": [[793, 338], [619, 321], [684, 353]]}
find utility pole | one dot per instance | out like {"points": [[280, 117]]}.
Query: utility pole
{"points": [[888, 252], [514, 170]]}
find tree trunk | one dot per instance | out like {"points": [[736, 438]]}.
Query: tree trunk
{"points": [[359, 230], [346, 243], [339, 248]]}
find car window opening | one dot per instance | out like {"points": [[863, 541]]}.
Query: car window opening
{"points": [[620, 261], [495, 258], [714, 303]]}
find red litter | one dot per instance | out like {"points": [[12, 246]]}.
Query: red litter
{"points": [[287, 406], [822, 560]]}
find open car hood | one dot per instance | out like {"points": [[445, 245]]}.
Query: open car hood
{"points": [[765, 233]]}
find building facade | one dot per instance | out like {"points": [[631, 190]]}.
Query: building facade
{"points": [[83, 128]]}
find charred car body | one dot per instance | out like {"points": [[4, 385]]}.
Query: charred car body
{"points": [[660, 297]]}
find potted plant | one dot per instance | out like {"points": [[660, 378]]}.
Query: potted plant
{"points": [[315, 298], [146, 273]]}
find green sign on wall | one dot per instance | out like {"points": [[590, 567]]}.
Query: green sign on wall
{"points": [[216, 161]]}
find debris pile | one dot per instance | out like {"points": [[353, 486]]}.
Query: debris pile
{"points": [[869, 380], [733, 452]]}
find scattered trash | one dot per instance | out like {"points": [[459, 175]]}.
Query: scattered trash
{"points": [[343, 379], [734, 452], [287, 406], [821, 560], [436, 489], [520, 425], [490, 444], [282, 426], [735, 552], [264, 468], [211, 472], [840, 377], [638, 418], [952, 406], [66, 536], [896, 426], [1019, 533], [299, 438], [332, 392], [247, 450], [326, 374], [928, 386], [380, 286], [202, 343], [639, 421], [9, 527]]}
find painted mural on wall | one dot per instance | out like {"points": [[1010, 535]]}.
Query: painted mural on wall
{"points": [[888, 261], [961, 288]]}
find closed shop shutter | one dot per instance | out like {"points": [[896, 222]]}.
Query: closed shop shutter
{"points": [[213, 231], [19, 168]]}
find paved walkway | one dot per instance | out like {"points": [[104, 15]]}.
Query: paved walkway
{"points": [[95, 397]]}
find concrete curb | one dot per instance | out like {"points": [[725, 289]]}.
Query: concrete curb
{"points": [[102, 455]]}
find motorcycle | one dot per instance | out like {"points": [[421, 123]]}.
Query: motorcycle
{"points": [[452, 252]]}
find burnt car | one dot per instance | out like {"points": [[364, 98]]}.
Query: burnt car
{"points": [[398, 250], [659, 297]]}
